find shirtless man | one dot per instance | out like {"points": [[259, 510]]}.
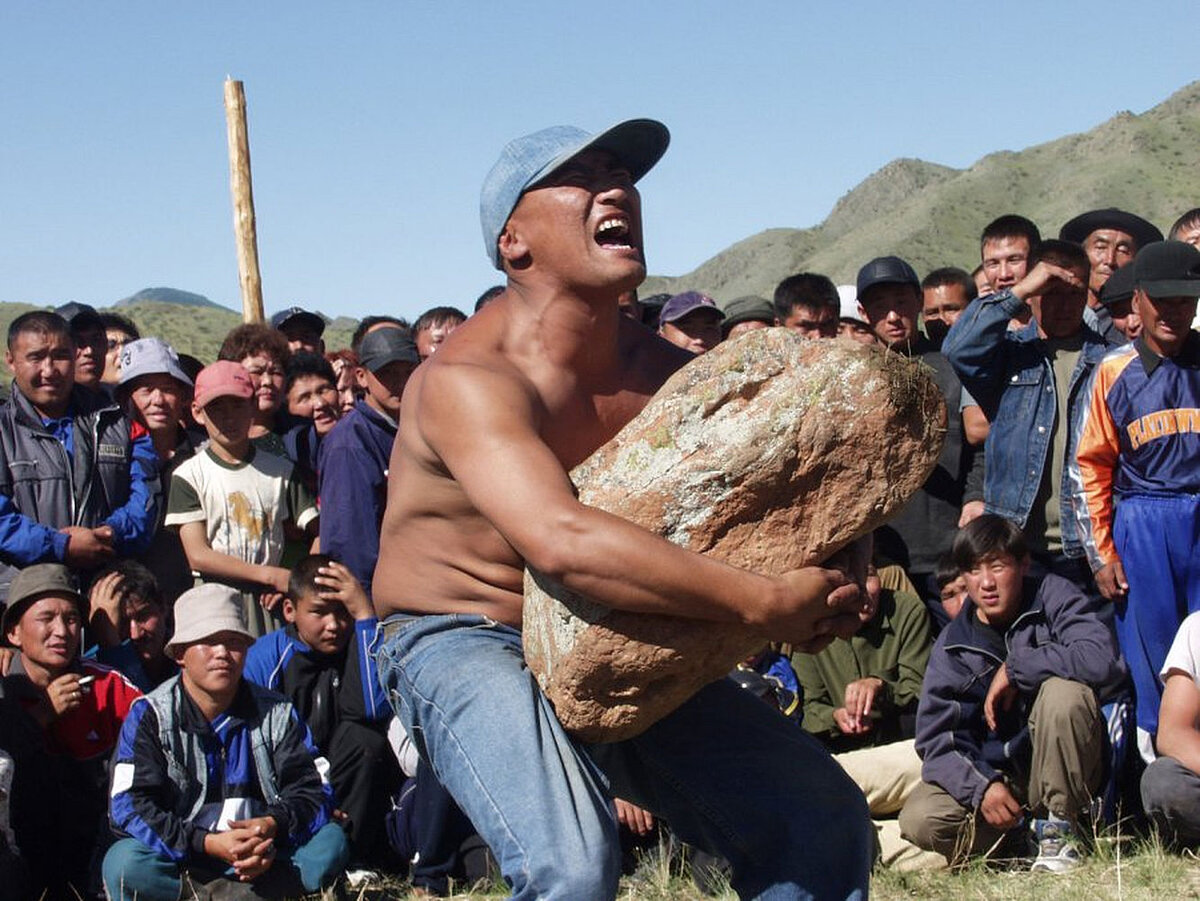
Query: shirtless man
{"points": [[490, 427]]}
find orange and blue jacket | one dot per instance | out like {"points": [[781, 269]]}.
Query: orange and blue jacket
{"points": [[1141, 436]]}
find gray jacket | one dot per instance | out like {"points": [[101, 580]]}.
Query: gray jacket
{"points": [[110, 478]]}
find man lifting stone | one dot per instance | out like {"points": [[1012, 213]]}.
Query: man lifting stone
{"points": [[489, 429]]}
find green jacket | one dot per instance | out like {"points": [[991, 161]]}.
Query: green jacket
{"points": [[894, 646]]}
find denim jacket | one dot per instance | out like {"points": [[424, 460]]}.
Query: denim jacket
{"points": [[1010, 377]]}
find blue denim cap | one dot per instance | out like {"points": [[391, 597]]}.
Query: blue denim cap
{"points": [[637, 143]]}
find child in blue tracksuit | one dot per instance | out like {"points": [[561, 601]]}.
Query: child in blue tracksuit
{"points": [[321, 662]]}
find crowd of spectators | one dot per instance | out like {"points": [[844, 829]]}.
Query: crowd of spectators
{"points": [[189, 696]]}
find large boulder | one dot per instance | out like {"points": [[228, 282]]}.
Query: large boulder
{"points": [[770, 452]]}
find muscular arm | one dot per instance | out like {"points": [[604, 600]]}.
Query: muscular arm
{"points": [[1179, 720], [481, 423]]}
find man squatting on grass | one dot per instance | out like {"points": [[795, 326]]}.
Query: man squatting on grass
{"points": [[538, 380]]}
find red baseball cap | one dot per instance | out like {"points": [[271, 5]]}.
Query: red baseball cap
{"points": [[224, 378]]}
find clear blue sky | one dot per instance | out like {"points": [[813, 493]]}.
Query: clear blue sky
{"points": [[373, 124]]}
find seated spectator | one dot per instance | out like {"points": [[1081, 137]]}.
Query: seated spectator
{"points": [[746, 314], [1010, 717], [156, 392], [434, 326], [353, 460], [90, 341], [264, 353], [118, 331], [312, 404], [344, 362], [1171, 784], [952, 591], [65, 500], [691, 320], [217, 778], [807, 303], [60, 721], [232, 500], [320, 662], [129, 621], [860, 700], [302, 329]]}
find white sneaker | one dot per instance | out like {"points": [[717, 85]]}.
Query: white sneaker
{"points": [[1057, 851]]}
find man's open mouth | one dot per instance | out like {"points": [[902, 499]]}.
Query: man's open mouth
{"points": [[614, 232]]}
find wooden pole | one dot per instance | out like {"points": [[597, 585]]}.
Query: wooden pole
{"points": [[244, 229]]}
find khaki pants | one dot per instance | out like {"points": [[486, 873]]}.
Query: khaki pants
{"points": [[1067, 732], [887, 775]]}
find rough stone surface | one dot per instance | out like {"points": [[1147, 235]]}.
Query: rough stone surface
{"points": [[770, 453]]}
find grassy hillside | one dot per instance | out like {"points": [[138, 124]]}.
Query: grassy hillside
{"points": [[932, 214]]}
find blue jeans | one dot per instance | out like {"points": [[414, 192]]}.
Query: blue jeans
{"points": [[726, 772], [134, 872]]}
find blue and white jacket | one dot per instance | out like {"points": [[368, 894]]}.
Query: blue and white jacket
{"points": [[176, 777]]}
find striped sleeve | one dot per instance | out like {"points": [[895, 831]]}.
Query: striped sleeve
{"points": [[139, 805], [1098, 450]]}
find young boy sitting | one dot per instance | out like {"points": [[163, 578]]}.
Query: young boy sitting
{"points": [[320, 662], [217, 776], [1009, 719], [231, 500]]}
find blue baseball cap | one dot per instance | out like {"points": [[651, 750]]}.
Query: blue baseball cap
{"points": [[637, 143]]}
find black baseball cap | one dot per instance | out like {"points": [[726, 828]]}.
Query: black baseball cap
{"points": [[1119, 286], [387, 345], [80, 315], [1167, 269], [312, 320], [886, 271]]}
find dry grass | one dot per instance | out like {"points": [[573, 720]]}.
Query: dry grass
{"points": [[1118, 870]]}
